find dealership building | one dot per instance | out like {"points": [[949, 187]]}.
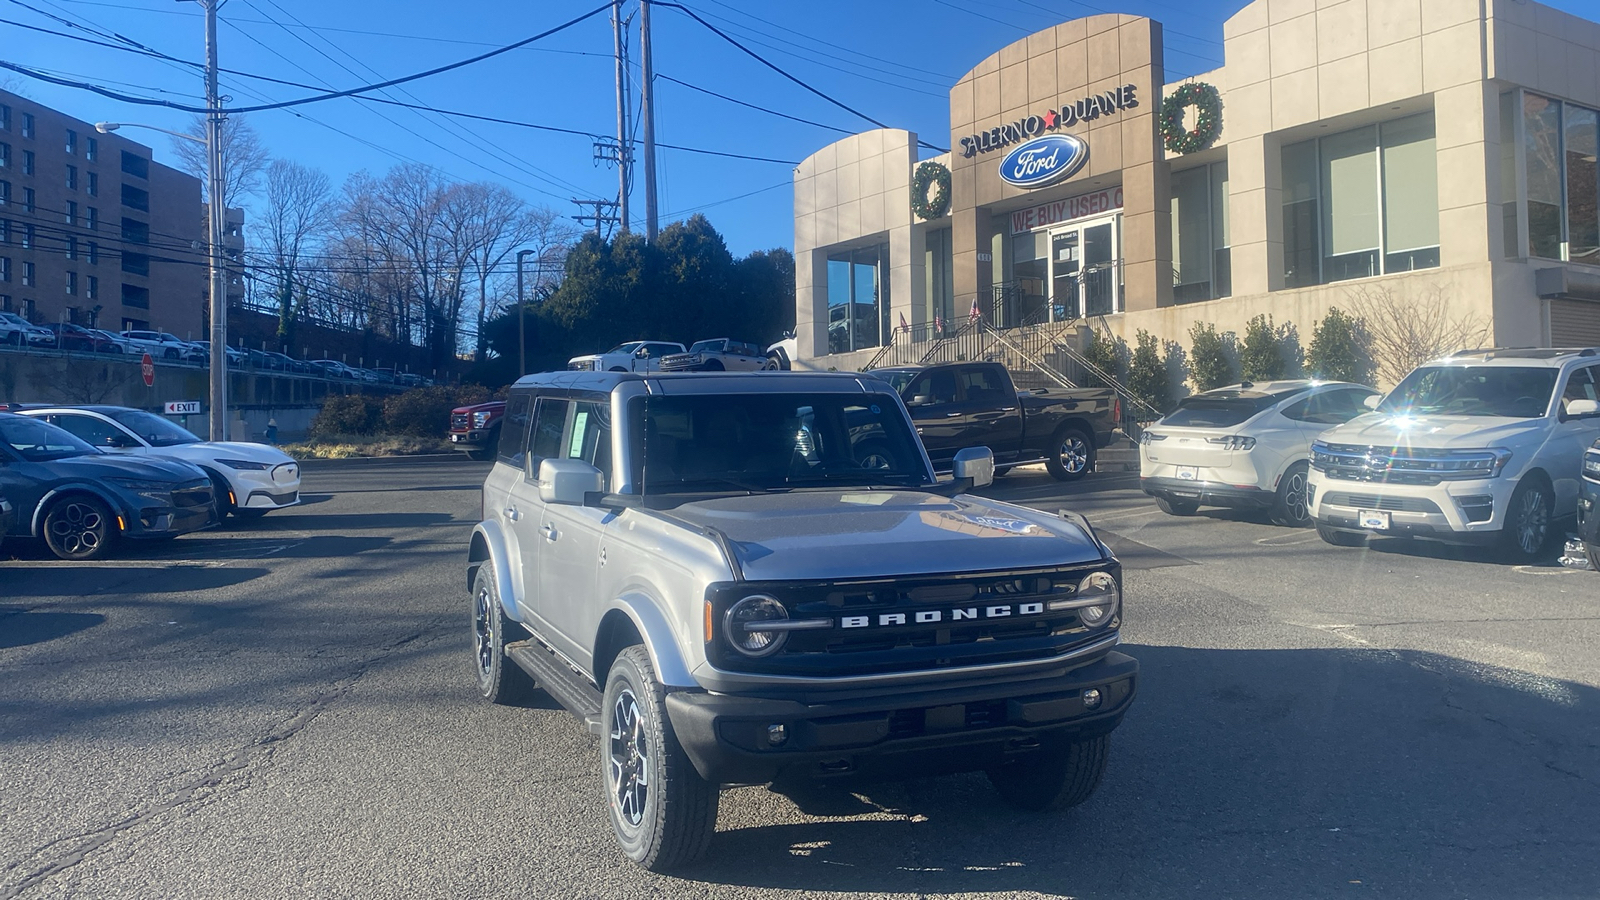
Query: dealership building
{"points": [[1416, 154]]}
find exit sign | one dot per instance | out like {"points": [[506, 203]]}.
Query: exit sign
{"points": [[184, 408]]}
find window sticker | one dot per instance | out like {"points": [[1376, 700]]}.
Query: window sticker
{"points": [[580, 427]]}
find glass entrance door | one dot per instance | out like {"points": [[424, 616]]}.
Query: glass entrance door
{"points": [[1085, 274]]}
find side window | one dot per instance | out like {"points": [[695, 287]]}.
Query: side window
{"points": [[91, 430], [1582, 385], [982, 385], [589, 439], [514, 432], [934, 387], [549, 421], [1342, 406]]}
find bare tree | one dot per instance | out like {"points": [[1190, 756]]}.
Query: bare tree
{"points": [[1406, 333], [244, 157], [299, 212], [495, 225]]}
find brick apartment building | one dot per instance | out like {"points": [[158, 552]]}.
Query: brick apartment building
{"points": [[93, 231]]}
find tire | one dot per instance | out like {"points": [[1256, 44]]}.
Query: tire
{"points": [[1527, 530], [663, 820], [1002, 471], [1070, 455], [874, 455], [616, 369], [773, 363], [482, 454], [79, 527], [1054, 778], [1593, 552], [499, 679], [1177, 507], [713, 365], [1290, 509], [1341, 538], [220, 495], [170, 354]]}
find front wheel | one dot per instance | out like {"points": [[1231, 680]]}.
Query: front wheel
{"points": [[662, 811], [1593, 552], [1054, 778], [79, 528], [1527, 528], [1340, 538], [499, 680], [482, 454], [1070, 455], [712, 365], [1291, 509]]}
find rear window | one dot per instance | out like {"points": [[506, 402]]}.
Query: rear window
{"points": [[1218, 410]]}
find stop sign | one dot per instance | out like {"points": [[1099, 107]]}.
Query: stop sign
{"points": [[148, 367]]}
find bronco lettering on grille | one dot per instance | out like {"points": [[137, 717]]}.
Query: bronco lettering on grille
{"points": [[934, 616]]}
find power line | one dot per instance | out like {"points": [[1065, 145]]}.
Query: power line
{"points": [[761, 109], [789, 31]]}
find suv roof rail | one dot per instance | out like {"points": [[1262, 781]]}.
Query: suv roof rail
{"points": [[1469, 351]]}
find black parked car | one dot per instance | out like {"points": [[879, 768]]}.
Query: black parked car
{"points": [[6, 517], [1589, 506], [81, 501]]}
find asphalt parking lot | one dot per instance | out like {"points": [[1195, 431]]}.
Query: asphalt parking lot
{"points": [[288, 710]]}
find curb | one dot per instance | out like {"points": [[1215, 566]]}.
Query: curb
{"points": [[414, 459]]}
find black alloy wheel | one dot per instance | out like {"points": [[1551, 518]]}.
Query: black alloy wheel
{"points": [[499, 680], [1527, 528], [1291, 508]]}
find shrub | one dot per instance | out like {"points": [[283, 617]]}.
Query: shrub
{"points": [[1147, 372], [1260, 356], [1340, 349], [346, 414], [1209, 366], [1106, 353], [425, 411]]}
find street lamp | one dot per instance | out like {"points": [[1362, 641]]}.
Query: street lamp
{"points": [[219, 288], [522, 319]]}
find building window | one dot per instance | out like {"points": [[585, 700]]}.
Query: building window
{"points": [[27, 199], [1360, 203], [135, 198], [93, 221], [27, 125], [858, 299], [91, 288], [5, 155], [94, 184], [72, 142], [5, 117], [72, 178], [72, 247], [5, 268], [939, 284], [72, 212], [135, 232], [91, 149], [135, 296], [28, 310], [27, 236], [5, 303], [29, 275], [27, 162], [5, 192], [5, 231], [136, 263], [94, 254], [135, 165], [72, 284], [1201, 267], [1560, 143]]}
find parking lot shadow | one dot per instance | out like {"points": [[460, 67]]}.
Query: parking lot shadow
{"points": [[1271, 773], [287, 520], [20, 627], [64, 579]]}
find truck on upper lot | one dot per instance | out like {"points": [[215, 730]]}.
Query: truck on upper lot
{"points": [[717, 355], [632, 356], [476, 428], [1484, 446], [702, 569], [967, 404]]}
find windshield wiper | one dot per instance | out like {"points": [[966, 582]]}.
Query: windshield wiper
{"points": [[735, 483]]}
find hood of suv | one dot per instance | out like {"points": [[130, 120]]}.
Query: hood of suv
{"points": [[845, 534], [1432, 432]]}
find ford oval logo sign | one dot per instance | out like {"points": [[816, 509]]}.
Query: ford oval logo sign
{"points": [[1044, 160]]}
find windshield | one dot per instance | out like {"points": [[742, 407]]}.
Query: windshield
{"points": [[37, 441], [699, 346], [625, 348], [152, 429], [897, 378], [765, 442], [1517, 392], [1221, 409]]}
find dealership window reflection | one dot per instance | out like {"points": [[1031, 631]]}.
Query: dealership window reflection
{"points": [[858, 298], [1360, 203], [1559, 152], [1201, 267]]}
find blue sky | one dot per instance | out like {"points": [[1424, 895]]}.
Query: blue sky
{"points": [[893, 60]]}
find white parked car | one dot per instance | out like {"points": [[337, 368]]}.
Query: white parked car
{"points": [[14, 329], [633, 356], [251, 480], [1484, 446], [160, 344], [1246, 445]]}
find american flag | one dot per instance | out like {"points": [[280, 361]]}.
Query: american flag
{"points": [[975, 314], [938, 322], [903, 326]]}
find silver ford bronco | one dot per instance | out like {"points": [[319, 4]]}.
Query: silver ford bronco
{"points": [[717, 578]]}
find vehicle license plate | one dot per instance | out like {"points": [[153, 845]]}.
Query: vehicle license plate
{"points": [[455, 438], [1188, 473], [1369, 518]]}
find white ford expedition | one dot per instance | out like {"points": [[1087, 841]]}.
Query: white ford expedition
{"points": [[1479, 447]]}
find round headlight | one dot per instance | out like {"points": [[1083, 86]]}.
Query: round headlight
{"points": [[742, 625], [1103, 587]]}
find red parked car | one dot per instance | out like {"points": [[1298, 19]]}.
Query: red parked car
{"points": [[76, 337], [476, 428]]}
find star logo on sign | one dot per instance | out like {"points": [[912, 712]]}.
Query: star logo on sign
{"points": [[1050, 118]]}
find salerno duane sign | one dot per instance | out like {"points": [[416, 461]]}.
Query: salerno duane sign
{"points": [[1070, 114]]}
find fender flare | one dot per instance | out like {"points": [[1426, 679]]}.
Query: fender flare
{"points": [[660, 640], [36, 528], [487, 546]]}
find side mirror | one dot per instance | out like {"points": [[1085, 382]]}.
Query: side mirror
{"points": [[642, 353], [566, 481], [921, 400], [976, 463], [1578, 408], [1372, 401]]}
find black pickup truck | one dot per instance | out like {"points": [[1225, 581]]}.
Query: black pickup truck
{"points": [[968, 404]]}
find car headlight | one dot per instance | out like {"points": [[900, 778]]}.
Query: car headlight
{"points": [[245, 465], [1591, 465], [480, 419], [1102, 587], [742, 625], [155, 491]]}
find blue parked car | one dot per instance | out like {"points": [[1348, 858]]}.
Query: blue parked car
{"points": [[82, 501]]}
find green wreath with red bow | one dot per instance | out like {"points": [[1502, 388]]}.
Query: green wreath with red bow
{"points": [[1207, 123], [930, 174]]}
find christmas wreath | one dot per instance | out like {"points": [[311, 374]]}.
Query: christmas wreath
{"points": [[1208, 117], [930, 174]]}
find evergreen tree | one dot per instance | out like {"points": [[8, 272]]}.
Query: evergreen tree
{"points": [[1260, 356], [1147, 372], [1340, 350], [1106, 353], [1209, 366]]}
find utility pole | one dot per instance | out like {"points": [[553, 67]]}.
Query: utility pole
{"points": [[647, 95], [602, 218], [624, 148], [522, 319], [218, 214]]}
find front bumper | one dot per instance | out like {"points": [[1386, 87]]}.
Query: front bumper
{"points": [[476, 436], [898, 733], [1208, 493], [275, 488], [168, 521], [1589, 513], [1461, 511]]}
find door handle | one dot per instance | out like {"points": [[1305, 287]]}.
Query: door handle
{"points": [[1008, 409], [951, 415], [549, 532], [511, 513]]}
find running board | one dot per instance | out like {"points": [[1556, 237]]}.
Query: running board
{"points": [[565, 686]]}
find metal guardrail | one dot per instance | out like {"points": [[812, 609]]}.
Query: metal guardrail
{"points": [[246, 368]]}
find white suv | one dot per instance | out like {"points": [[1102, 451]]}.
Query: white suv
{"points": [[634, 356], [1483, 446], [1245, 445]]}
